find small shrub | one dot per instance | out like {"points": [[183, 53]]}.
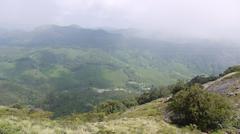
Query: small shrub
{"points": [[144, 98], [111, 107], [153, 94], [7, 128], [180, 85], [201, 79], [236, 121], [103, 131], [130, 102], [231, 69], [18, 106]]}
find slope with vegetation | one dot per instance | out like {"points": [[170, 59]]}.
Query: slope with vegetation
{"points": [[73, 72], [189, 109], [146, 118], [73, 61]]}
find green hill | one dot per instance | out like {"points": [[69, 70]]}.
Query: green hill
{"points": [[95, 65], [150, 117]]}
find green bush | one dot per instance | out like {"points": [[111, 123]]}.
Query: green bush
{"points": [[194, 105], [18, 106], [130, 102], [180, 85], [231, 69], [201, 79], [144, 98], [80, 118], [111, 107], [153, 94], [236, 121], [7, 128]]}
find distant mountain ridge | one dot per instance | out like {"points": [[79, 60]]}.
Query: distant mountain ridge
{"points": [[54, 35]]}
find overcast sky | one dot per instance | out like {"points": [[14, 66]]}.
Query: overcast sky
{"points": [[206, 18]]}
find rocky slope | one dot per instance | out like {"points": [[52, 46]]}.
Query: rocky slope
{"points": [[228, 84]]}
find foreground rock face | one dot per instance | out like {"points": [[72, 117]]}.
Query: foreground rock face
{"points": [[228, 84]]}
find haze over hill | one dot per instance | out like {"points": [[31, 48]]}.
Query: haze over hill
{"points": [[216, 20], [88, 65], [55, 62]]}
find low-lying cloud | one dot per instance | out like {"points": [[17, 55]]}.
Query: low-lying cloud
{"points": [[194, 18]]}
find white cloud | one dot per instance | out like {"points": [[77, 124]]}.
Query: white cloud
{"points": [[210, 18]]}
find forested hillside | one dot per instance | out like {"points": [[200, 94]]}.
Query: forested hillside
{"points": [[189, 107], [55, 65]]}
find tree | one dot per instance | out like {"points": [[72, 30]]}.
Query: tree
{"points": [[194, 105]]}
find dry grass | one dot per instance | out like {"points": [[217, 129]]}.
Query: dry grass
{"points": [[144, 119]]}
